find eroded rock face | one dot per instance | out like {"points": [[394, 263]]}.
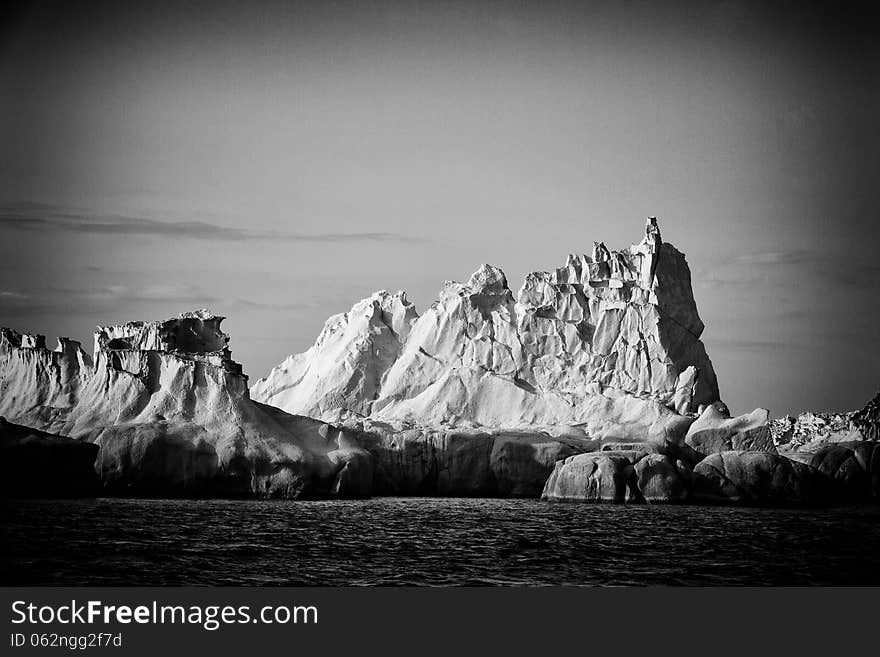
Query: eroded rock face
{"points": [[465, 463], [853, 466], [802, 437], [660, 479], [609, 342], [624, 476], [756, 478], [40, 387], [731, 477], [170, 411], [715, 431], [867, 420], [341, 374], [39, 464]]}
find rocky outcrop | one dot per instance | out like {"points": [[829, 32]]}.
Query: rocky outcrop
{"points": [[867, 420], [730, 477], [465, 463], [38, 464], [756, 478], [39, 387], [591, 383], [658, 478], [631, 476], [854, 468], [813, 429], [341, 374], [715, 431], [801, 438], [609, 342], [170, 411]]}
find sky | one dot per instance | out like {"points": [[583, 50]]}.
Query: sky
{"points": [[277, 162]]}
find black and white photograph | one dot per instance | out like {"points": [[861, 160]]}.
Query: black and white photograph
{"points": [[439, 294]]}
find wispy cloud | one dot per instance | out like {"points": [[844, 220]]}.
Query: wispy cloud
{"points": [[739, 345], [99, 302], [95, 301], [37, 217], [857, 270], [788, 257]]}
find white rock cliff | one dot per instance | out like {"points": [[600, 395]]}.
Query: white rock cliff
{"points": [[170, 411], [608, 343]]}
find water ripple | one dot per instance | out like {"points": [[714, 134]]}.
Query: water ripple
{"points": [[431, 542]]}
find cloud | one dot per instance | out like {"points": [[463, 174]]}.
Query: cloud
{"points": [[789, 257], [739, 345], [258, 305], [94, 301], [857, 270], [38, 217]]}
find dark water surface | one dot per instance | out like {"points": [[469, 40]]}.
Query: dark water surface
{"points": [[406, 541]]}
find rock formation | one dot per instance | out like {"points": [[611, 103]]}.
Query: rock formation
{"points": [[590, 384], [801, 437], [729, 477], [39, 464], [342, 373], [715, 431], [854, 468], [867, 420], [608, 343], [619, 476], [756, 478], [170, 411], [465, 463]]}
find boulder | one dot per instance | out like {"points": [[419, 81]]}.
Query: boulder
{"points": [[632, 476], [755, 478], [660, 479], [596, 477], [715, 431], [854, 468]]}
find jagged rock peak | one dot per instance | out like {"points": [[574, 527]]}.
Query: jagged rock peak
{"points": [[193, 335], [868, 419], [488, 279], [342, 372], [195, 332], [614, 323]]}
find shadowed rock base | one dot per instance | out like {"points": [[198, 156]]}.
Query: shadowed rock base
{"points": [[731, 477], [459, 463], [38, 464], [619, 476]]}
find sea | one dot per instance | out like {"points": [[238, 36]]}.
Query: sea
{"points": [[431, 542]]}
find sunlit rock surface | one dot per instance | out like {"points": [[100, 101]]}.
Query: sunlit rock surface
{"points": [[342, 372], [170, 411], [590, 384], [608, 343], [801, 437], [715, 431], [619, 476]]}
